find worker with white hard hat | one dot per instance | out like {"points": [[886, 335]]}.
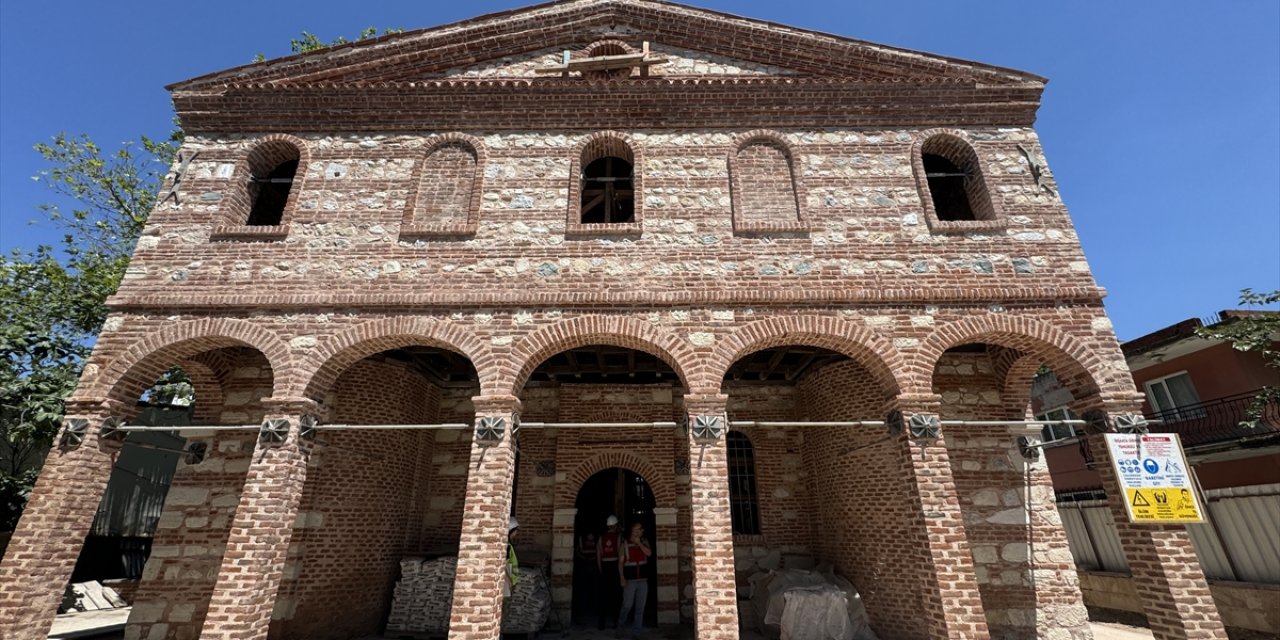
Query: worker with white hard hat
{"points": [[606, 562]]}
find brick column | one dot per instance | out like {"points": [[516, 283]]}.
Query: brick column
{"points": [[1058, 601], [949, 585], [562, 562], [253, 564], [44, 548], [667, 551], [715, 594], [1165, 569], [482, 549]]}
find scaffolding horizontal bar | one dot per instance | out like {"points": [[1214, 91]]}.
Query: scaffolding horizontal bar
{"points": [[844, 423], [1011, 423], [191, 427], [594, 425], [392, 427]]}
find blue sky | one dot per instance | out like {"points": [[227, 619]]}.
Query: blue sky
{"points": [[1161, 120]]}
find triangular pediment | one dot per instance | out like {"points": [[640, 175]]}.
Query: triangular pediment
{"points": [[683, 42], [672, 62]]}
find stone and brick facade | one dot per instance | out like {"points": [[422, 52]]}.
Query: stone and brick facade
{"points": [[430, 260]]}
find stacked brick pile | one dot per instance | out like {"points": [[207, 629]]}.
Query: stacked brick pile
{"points": [[423, 597]]}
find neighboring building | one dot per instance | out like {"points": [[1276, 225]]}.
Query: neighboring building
{"points": [[626, 226], [1200, 389]]}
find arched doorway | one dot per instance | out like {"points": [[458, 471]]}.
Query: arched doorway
{"points": [[625, 494]]}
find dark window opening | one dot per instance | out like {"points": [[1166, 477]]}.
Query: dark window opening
{"points": [[270, 193], [608, 193], [948, 188], [744, 505]]}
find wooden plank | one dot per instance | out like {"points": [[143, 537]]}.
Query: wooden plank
{"points": [[601, 63], [89, 596], [113, 597]]}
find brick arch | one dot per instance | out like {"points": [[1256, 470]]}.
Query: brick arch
{"points": [[956, 146], [206, 383], [606, 47], [874, 353], [266, 153], [605, 143], [334, 354], [593, 147], [134, 371], [1015, 392], [1068, 357], [663, 485], [628, 333]]}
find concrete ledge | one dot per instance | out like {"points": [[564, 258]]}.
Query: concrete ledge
{"points": [[88, 624], [1242, 605]]}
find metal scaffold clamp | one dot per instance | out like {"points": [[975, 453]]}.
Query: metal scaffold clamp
{"points": [[274, 431], [1029, 448], [490, 429], [74, 432], [1096, 421], [895, 423], [707, 428], [308, 426], [113, 429], [196, 452], [924, 427], [1132, 423]]}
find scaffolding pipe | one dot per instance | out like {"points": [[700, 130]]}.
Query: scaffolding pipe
{"points": [[593, 425], [618, 425], [392, 427], [192, 427], [1010, 423], [853, 423]]}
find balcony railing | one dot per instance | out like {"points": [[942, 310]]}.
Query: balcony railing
{"points": [[1218, 421]]}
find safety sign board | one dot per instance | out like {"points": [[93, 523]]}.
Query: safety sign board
{"points": [[1155, 478]]}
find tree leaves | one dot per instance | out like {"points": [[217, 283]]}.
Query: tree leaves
{"points": [[53, 301], [1258, 333], [307, 41]]}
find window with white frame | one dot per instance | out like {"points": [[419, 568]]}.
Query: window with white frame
{"points": [[1053, 432], [1174, 397]]}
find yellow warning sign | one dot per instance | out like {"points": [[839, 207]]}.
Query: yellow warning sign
{"points": [[1155, 477], [1163, 504]]}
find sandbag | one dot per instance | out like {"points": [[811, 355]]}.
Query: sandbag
{"points": [[815, 613], [794, 604], [423, 597], [529, 607]]}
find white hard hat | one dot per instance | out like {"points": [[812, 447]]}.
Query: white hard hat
{"points": [[611, 521], [512, 524]]}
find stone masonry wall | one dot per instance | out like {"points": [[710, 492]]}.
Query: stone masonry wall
{"points": [[861, 194], [1021, 560], [177, 581]]}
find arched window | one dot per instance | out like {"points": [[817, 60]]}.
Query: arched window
{"points": [[608, 188], [605, 187], [744, 504], [272, 167], [956, 190]]}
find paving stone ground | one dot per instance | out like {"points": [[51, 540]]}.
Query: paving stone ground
{"points": [[83, 625]]}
